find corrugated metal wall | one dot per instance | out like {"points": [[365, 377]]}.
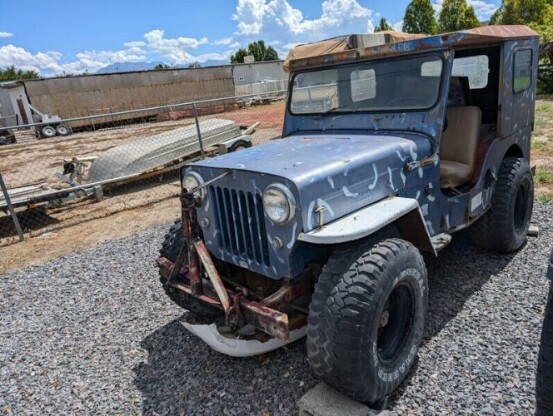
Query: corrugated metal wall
{"points": [[245, 74], [96, 94]]}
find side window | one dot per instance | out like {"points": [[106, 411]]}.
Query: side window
{"points": [[522, 71], [363, 84], [475, 68]]}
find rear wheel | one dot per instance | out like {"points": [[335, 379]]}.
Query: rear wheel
{"points": [[170, 249], [503, 228], [63, 130], [366, 318]]}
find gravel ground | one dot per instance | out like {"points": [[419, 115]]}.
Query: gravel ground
{"points": [[93, 333]]}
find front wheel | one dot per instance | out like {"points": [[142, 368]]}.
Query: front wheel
{"points": [[504, 227], [170, 249], [366, 318]]}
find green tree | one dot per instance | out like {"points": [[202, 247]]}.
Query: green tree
{"points": [[457, 15], [12, 74], [383, 26], [419, 18], [258, 50], [238, 57], [521, 12], [161, 66]]}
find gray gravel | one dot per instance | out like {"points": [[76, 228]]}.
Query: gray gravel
{"points": [[93, 333]]}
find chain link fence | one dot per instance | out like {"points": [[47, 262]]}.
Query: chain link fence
{"points": [[58, 174]]}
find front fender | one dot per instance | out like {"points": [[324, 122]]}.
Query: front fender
{"points": [[403, 212]]}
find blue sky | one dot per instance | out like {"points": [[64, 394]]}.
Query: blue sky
{"points": [[58, 37]]}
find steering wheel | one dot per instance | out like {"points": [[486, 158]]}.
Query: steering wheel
{"points": [[406, 101]]}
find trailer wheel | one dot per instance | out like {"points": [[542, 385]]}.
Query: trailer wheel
{"points": [[366, 318], [170, 249], [63, 130], [47, 132], [503, 228], [239, 145]]}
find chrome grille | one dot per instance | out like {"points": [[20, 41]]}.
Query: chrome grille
{"points": [[241, 224]]}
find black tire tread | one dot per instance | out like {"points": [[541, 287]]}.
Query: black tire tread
{"points": [[170, 248], [349, 278], [491, 232]]}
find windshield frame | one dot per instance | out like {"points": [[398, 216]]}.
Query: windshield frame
{"points": [[438, 54]]}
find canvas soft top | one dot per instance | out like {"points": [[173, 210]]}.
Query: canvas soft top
{"points": [[346, 43], [348, 48]]}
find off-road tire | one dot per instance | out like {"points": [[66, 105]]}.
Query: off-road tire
{"points": [[544, 375], [504, 227], [170, 249], [344, 345]]}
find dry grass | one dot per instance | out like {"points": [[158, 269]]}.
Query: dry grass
{"points": [[542, 148]]}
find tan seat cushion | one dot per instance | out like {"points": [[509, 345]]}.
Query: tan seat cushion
{"points": [[459, 145], [453, 174]]}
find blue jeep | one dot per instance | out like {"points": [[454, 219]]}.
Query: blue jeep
{"points": [[386, 151]]}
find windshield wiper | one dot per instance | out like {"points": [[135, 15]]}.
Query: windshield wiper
{"points": [[324, 113]]}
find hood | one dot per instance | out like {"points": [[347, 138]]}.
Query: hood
{"points": [[301, 158], [339, 172]]}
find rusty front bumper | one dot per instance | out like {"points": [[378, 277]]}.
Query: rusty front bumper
{"points": [[235, 306]]}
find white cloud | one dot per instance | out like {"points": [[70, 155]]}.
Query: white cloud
{"points": [[21, 58], [172, 49], [398, 25], [5, 34], [134, 44], [277, 19], [214, 57], [482, 9], [224, 41], [155, 45], [94, 60]]}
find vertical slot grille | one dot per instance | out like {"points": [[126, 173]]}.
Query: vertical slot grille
{"points": [[240, 224]]}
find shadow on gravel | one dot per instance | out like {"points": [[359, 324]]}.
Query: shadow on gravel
{"points": [[183, 376], [454, 276]]}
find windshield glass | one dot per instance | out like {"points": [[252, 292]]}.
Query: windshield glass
{"points": [[393, 85]]}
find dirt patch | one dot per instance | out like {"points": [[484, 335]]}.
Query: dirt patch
{"points": [[85, 234]]}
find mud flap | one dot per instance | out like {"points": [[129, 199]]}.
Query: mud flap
{"points": [[239, 347]]}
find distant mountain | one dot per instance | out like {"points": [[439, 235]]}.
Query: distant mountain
{"points": [[127, 67], [146, 66], [212, 62]]}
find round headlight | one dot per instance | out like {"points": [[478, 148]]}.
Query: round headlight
{"points": [[192, 180], [279, 203]]}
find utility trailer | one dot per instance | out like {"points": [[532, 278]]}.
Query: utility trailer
{"points": [[132, 162], [16, 110]]}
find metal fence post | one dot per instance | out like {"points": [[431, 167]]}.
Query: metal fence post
{"points": [[10, 208], [195, 113]]}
